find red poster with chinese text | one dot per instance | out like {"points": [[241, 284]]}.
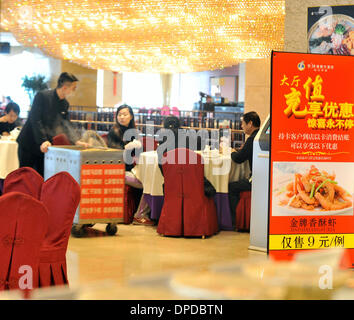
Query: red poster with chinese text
{"points": [[102, 191], [312, 155]]}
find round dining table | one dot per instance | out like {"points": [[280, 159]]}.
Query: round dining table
{"points": [[8, 158], [219, 169]]}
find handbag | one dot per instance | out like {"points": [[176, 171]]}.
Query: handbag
{"points": [[209, 189]]}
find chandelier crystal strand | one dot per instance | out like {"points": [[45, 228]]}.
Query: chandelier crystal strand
{"points": [[148, 35]]}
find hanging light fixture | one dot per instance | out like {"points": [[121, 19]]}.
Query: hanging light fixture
{"points": [[165, 36]]}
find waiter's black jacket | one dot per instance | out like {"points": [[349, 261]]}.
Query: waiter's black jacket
{"points": [[48, 117]]}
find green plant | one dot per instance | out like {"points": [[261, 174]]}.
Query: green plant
{"points": [[34, 84]]}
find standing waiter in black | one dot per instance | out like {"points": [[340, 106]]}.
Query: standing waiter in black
{"points": [[48, 117]]}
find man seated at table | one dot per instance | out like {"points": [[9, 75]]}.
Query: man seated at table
{"points": [[8, 121], [250, 124]]}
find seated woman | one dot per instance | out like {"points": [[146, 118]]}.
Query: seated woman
{"points": [[173, 124], [125, 121], [8, 121]]}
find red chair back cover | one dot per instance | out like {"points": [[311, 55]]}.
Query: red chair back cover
{"points": [[61, 140], [7, 234], [243, 211], [25, 180], [165, 111], [61, 196], [25, 220], [186, 210]]}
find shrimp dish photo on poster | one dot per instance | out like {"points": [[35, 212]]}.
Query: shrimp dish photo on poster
{"points": [[312, 188]]}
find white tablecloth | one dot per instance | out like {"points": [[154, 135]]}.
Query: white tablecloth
{"points": [[219, 170], [8, 157]]}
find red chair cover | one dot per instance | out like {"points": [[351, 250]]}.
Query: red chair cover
{"points": [[25, 180], [61, 195], [186, 210], [149, 144], [7, 232], [243, 211], [23, 225], [165, 111], [61, 140]]}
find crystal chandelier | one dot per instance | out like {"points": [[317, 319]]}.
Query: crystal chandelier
{"points": [[165, 36]]}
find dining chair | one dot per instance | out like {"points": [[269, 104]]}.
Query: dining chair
{"points": [[23, 225], [25, 180], [243, 211], [61, 140], [186, 210], [61, 196]]}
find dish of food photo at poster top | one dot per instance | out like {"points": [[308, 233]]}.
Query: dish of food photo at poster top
{"points": [[333, 34], [311, 192]]}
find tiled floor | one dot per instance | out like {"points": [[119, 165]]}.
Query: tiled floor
{"points": [[139, 264], [98, 261]]}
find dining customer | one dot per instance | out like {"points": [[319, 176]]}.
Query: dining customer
{"points": [[8, 121], [250, 123], [124, 135]]}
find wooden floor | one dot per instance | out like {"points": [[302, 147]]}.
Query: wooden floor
{"points": [[104, 267]]}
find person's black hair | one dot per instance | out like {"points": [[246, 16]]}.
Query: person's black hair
{"points": [[12, 106], [252, 116], [9, 98], [66, 77], [171, 122]]}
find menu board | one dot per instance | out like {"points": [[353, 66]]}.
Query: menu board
{"points": [[312, 158], [102, 191]]}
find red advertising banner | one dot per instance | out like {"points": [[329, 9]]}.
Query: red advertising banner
{"points": [[102, 191], [312, 158]]}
